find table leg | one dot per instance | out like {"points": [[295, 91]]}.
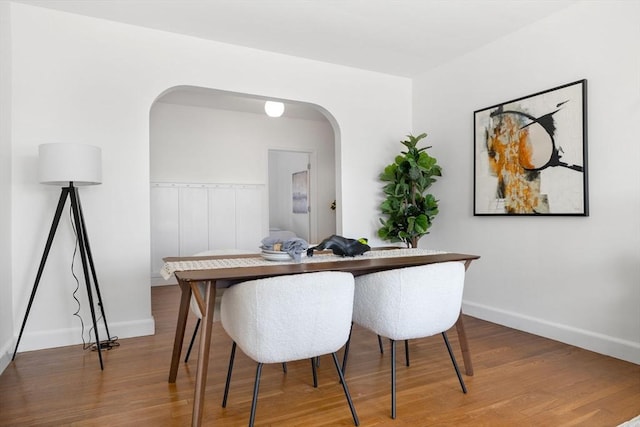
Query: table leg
{"points": [[464, 346], [462, 337], [203, 353], [183, 312]]}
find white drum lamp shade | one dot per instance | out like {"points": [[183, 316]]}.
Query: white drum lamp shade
{"points": [[62, 163]]}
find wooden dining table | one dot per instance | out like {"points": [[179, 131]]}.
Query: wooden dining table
{"points": [[190, 271]]}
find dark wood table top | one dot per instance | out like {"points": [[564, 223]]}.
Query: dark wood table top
{"points": [[356, 266]]}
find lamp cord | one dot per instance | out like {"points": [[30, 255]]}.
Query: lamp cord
{"points": [[108, 344]]}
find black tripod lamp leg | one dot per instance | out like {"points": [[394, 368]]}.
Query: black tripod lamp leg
{"points": [[43, 261]]}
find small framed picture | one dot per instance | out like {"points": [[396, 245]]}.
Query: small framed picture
{"points": [[300, 192]]}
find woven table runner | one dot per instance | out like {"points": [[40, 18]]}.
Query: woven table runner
{"points": [[207, 264]]}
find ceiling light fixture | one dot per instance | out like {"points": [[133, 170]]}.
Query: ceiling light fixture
{"points": [[273, 109]]}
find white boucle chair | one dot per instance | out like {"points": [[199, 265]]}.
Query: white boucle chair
{"points": [[286, 318], [220, 286], [410, 303]]}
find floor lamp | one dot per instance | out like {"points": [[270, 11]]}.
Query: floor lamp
{"points": [[70, 166]]}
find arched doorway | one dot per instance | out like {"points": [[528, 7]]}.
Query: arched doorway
{"points": [[205, 141]]}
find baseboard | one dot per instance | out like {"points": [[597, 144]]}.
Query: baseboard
{"points": [[6, 351], [593, 341], [631, 423], [159, 281], [72, 336]]}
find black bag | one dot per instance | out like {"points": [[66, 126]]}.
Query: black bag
{"points": [[340, 246]]}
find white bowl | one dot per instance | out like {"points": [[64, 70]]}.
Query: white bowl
{"points": [[278, 255]]}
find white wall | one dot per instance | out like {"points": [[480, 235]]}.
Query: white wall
{"points": [[79, 79], [573, 279], [195, 144], [6, 309]]}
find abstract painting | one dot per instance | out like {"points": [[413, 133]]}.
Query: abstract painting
{"points": [[531, 154]]}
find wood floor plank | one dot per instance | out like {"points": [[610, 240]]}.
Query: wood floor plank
{"points": [[520, 380]]}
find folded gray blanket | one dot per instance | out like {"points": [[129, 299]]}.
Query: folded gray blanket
{"points": [[294, 247]]}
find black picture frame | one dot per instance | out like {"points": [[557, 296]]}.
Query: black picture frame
{"points": [[530, 155]]}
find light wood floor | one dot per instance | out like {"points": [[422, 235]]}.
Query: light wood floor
{"points": [[520, 380]]}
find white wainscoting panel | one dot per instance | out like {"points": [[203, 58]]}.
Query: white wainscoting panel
{"points": [[191, 218], [222, 230], [249, 217], [165, 225], [194, 220]]}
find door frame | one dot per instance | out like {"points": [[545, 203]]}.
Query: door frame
{"points": [[312, 195]]}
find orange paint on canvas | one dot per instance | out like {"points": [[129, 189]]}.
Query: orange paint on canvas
{"points": [[510, 154]]}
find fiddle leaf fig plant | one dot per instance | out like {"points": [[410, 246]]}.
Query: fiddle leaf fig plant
{"points": [[409, 209]]}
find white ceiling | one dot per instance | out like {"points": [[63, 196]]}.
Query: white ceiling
{"points": [[398, 37]]}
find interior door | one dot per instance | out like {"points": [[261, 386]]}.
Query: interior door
{"points": [[290, 192]]}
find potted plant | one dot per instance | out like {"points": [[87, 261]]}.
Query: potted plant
{"points": [[410, 210]]}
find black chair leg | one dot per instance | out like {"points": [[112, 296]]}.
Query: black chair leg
{"points": [[193, 338], [406, 348], [406, 351], [346, 390], [346, 351], [226, 386], [284, 367], [393, 379], [254, 403], [314, 370], [455, 364]]}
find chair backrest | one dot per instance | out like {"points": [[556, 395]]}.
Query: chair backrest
{"points": [[411, 302], [286, 318], [220, 284]]}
